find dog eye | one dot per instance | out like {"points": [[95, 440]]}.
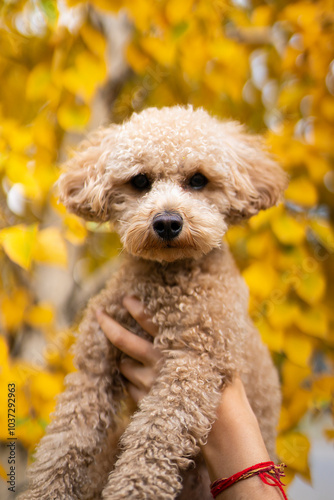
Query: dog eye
{"points": [[198, 181], [140, 182]]}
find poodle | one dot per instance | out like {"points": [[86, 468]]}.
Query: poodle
{"points": [[171, 181]]}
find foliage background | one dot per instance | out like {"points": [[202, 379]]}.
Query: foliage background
{"points": [[63, 70]]}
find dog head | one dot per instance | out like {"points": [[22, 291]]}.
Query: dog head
{"points": [[171, 180]]}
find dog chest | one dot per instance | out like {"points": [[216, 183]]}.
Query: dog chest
{"points": [[194, 302]]}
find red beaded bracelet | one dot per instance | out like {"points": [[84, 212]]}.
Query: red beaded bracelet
{"points": [[266, 471]]}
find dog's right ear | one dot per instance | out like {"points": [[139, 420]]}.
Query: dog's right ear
{"points": [[83, 187]]}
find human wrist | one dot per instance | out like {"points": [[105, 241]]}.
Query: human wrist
{"points": [[235, 441]]}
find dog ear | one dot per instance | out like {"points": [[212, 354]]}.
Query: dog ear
{"points": [[257, 182], [83, 186]]}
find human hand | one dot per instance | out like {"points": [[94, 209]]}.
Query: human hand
{"points": [[235, 440], [235, 443], [143, 365]]}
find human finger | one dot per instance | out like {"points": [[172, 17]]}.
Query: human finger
{"points": [[137, 348], [136, 394], [138, 375], [137, 310]]}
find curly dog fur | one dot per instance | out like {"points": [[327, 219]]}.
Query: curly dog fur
{"points": [[190, 286]]}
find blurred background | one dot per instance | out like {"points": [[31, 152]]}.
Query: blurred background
{"points": [[68, 66]]}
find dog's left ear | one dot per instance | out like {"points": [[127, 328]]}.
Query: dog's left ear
{"points": [[257, 182]]}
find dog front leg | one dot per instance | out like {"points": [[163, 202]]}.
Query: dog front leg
{"points": [[165, 433], [74, 438]]}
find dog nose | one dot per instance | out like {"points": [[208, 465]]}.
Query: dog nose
{"points": [[168, 225]]}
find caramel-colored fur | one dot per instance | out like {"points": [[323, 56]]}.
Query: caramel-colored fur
{"points": [[191, 287]]}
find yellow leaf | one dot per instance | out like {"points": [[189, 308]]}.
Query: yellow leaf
{"points": [[94, 40], [258, 245], [293, 376], [293, 448], [143, 12], [50, 247], [45, 173], [324, 233], [76, 231], [85, 76], [263, 218], [194, 56], [262, 15], [302, 14], [223, 54], [39, 315], [46, 409], [313, 321], [73, 117], [327, 107], [291, 94], [13, 307], [19, 243], [323, 390], [39, 83], [273, 338], [216, 80], [317, 167], [19, 138], [58, 353], [299, 404], [302, 192], [30, 431], [20, 169], [261, 278], [290, 151], [226, 51], [177, 11], [323, 137], [291, 260], [58, 207], [22, 371], [45, 386], [137, 59], [236, 234], [163, 51], [298, 348], [288, 230], [43, 133], [311, 287], [68, 363], [283, 314], [162, 95]]}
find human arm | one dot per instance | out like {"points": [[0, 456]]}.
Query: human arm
{"points": [[235, 443]]}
